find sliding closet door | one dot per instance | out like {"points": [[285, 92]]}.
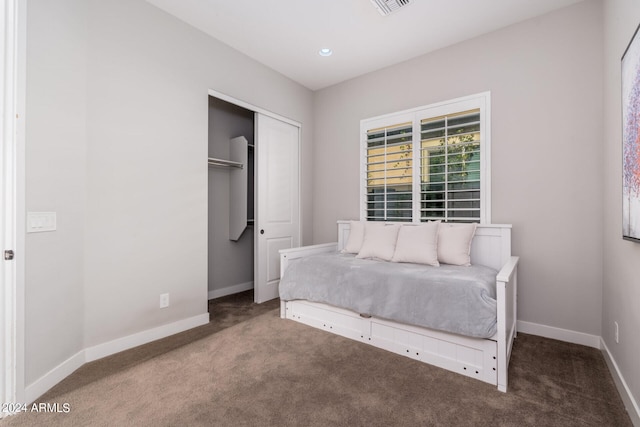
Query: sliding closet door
{"points": [[277, 200]]}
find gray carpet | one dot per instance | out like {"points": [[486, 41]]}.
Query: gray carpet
{"points": [[251, 368]]}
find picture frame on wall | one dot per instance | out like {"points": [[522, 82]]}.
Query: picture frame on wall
{"points": [[631, 140]]}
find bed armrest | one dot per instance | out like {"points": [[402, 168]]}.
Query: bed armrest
{"points": [[508, 270], [288, 255], [507, 303]]}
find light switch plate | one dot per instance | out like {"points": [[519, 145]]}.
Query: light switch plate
{"points": [[41, 221]]}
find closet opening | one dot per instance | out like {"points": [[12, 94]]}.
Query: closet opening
{"points": [[231, 230], [254, 197]]}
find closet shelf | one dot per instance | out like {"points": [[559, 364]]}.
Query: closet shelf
{"points": [[238, 188], [225, 163]]}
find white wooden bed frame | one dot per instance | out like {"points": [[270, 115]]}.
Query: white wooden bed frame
{"points": [[483, 359]]}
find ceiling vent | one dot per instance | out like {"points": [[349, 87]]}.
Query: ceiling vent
{"points": [[385, 7]]}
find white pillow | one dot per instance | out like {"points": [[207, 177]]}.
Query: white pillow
{"points": [[356, 236], [454, 243], [379, 241], [418, 244]]}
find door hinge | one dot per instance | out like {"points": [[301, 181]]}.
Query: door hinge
{"points": [[8, 255]]}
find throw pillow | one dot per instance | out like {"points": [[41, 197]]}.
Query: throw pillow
{"points": [[454, 243], [418, 244], [356, 236], [379, 241]]}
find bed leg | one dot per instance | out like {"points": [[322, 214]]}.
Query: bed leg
{"points": [[283, 309]]}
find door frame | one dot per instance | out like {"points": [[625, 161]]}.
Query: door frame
{"points": [[12, 195], [251, 107], [259, 110]]}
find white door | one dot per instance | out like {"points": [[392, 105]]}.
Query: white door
{"points": [[277, 200]]}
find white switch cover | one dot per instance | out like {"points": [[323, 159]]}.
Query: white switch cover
{"points": [[41, 221]]}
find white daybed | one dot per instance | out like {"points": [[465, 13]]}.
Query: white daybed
{"points": [[483, 359]]}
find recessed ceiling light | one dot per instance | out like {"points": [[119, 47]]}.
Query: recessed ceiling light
{"points": [[325, 52]]}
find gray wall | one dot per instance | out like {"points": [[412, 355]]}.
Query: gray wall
{"points": [[545, 77], [621, 291], [230, 263], [56, 149], [117, 123]]}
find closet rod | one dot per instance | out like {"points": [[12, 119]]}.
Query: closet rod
{"points": [[227, 163]]}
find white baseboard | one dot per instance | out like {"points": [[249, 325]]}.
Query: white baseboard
{"points": [[53, 377], [559, 334], [66, 368], [629, 401], [230, 290], [106, 349]]}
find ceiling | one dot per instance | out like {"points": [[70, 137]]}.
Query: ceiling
{"points": [[286, 35]]}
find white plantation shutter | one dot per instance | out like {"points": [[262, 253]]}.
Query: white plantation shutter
{"points": [[428, 163], [450, 167], [389, 180]]}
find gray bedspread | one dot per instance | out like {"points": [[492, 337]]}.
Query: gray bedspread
{"points": [[455, 299]]}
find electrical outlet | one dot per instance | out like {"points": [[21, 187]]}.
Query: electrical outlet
{"points": [[164, 300], [615, 324]]}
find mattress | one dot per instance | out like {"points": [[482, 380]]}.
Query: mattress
{"points": [[456, 299]]}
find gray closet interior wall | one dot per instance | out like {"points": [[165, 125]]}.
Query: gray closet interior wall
{"points": [[230, 263]]}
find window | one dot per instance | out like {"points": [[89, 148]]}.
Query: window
{"points": [[429, 163]]}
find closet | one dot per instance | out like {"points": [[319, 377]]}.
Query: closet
{"points": [[253, 191]]}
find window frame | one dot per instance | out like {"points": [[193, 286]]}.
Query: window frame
{"points": [[481, 101]]}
